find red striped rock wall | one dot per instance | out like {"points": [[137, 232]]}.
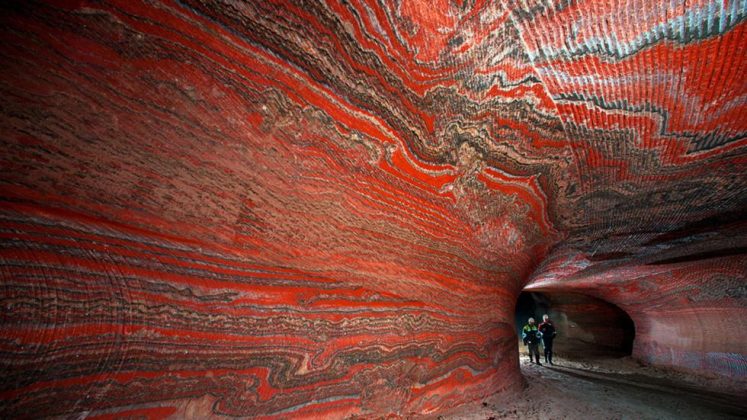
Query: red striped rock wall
{"points": [[329, 208]]}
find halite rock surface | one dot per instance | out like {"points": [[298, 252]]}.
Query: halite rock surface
{"points": [[288, 208]]}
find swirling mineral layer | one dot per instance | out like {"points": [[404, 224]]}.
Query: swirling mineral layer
{"points": [[290, 208]]}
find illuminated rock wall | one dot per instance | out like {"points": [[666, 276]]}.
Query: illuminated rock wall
{"points": [[688, 305], [589, 327], [329, 208]]}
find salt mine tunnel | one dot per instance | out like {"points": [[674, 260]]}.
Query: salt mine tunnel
{"points": [[329, 209]]}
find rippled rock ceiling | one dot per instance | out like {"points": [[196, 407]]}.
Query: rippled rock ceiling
{"points": [[328, 208]]}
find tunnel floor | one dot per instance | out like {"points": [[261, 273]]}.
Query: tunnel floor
{"points": [[607, 388]]}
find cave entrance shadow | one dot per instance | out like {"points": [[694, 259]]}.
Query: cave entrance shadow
{"points": [[587, 327]]}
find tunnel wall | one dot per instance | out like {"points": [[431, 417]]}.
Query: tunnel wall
{"points": [[192, 226], [699, 321]]}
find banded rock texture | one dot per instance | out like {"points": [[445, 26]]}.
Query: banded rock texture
{"points": [[328, 209]]}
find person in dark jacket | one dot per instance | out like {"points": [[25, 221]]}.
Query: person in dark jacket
{"points": [[531, 336], [548, 335]]}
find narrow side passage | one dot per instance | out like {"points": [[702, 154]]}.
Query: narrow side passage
{"points": [[586, 326]]}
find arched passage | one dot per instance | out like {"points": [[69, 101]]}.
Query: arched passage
{"points": [[586, 326]]}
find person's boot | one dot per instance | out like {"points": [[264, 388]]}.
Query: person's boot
{"points": [[550, 358]]}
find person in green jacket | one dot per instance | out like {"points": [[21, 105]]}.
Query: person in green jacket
{"points": [[531, 336]]}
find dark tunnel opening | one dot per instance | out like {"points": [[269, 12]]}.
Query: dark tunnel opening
{"points": [[586, 326]]}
